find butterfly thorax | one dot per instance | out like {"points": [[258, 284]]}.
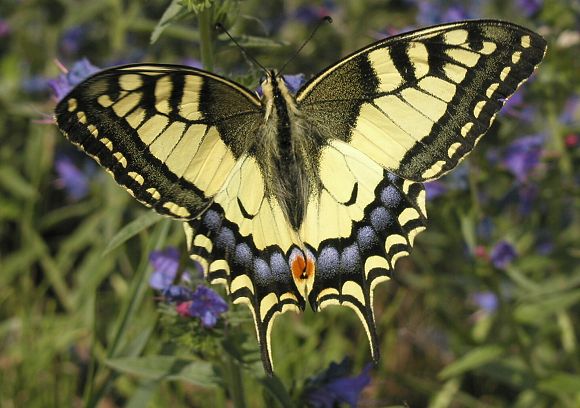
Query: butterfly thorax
{"points": [[285, 143]]}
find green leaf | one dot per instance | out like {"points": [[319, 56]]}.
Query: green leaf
{"points": [[132, 229], [561, 383], [12, 181], [474, 359], [173, 12], [170, 368], [538, 310], [250, 41]]}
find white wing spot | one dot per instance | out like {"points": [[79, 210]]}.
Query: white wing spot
{"points": [[177, 210], [413, 233], [94, 131], [107, 142], [408, 214], [220, 265], [120, 158], [434, 170], [491, 89], [466, 128], [452, 149], [72, 105], [374, 262], [81, 117], [478, 108], [397, 256], [488, 47], [154, 193], [406, 186], [516, 57], [353, 289], [504, 73], [202, 241], [394, 239], [421, 202], [526, 41], [267, 303], [105, 101], [137, 177]]}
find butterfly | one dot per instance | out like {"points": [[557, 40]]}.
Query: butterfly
{"points": [[307, 197]]}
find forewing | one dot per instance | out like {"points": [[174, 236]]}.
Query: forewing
{"points": [[417, 103], [169, 134]]}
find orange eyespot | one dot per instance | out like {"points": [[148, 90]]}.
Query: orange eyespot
{"points": [[302, 269]]}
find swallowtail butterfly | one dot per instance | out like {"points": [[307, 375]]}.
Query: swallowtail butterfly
{"points": [[312, 197]]}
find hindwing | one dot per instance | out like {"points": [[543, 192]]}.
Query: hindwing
{"points": [[245, 242], [417, 103], [360, 224]]}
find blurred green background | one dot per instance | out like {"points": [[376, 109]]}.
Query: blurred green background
{"points": [[484, 313]]}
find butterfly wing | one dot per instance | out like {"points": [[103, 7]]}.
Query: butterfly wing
{"points": [[177, 139], [417, 103], [243, 241], [169, 134], [362, 222], [398, 112]]}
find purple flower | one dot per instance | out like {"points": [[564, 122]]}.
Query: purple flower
{"points": [[485, 228], [527, 195], [312, 14], [70, 178], [516, 107], [207, 305], [487, 302], [523, 155], [177, 294], [35, 85], [502, 254], [293, 82], [435, 189], [333, 387], [165, 264], [192, 62], [571, 111], [4, 28], [437, 12], [529, 7], [62, 84], [72, 40]]}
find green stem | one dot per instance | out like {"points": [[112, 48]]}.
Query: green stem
{"points": [[206, 30], [235, 383]]}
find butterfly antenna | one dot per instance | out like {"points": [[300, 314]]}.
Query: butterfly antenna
{"points": [[325, 19], [221, 28]]}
